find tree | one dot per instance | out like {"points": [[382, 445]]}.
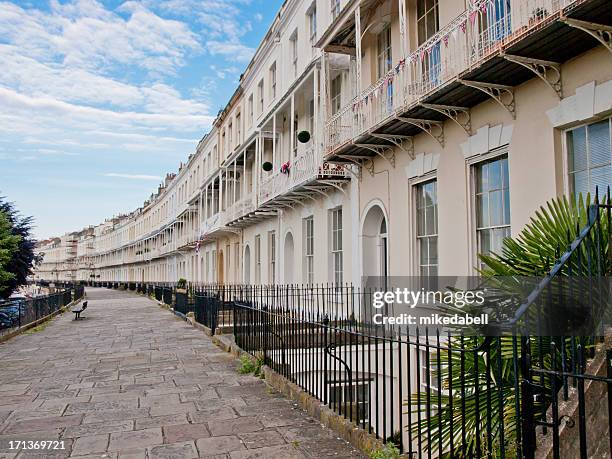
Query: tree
{"points": [[19, 266], [9, 243]]}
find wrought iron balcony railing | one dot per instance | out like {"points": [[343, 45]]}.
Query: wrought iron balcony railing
{"points": [[307, 166], [478, 33]]}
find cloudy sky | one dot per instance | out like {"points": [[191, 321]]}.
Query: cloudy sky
{"points": [[98, 99]]}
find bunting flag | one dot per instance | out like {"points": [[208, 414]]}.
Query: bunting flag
{"points": [[478, 7], [473, 15]]}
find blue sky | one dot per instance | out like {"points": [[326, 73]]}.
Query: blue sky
{"points": [[99, 99]]}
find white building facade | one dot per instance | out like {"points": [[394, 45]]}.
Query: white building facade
{"points": [[375, 138]]}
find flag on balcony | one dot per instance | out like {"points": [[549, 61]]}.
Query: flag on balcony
{"points": [[197, 247]]}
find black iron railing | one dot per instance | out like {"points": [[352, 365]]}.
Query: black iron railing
{"points": [[438, 395], [574, 300], [18, 312]]}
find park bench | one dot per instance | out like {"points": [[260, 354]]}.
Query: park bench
{"points": [[78, 311]]}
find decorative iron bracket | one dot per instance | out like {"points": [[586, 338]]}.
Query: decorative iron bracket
{"points": [[317, 190], [460, 115], [305, 195], [398, 140], [380, 150], [274, 206], [501, 93], [601, 32], [434, 128], [361, 161], [334, 185], [548, 71], [297, 201]]}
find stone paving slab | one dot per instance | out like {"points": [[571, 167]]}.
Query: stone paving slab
{"points": [[132, 381]]}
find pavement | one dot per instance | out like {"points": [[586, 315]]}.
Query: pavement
{"points": [[132, 380]]}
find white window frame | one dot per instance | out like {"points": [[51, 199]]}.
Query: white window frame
{"points": [[433, 383], [238, 129], [336, 99], [237, 262], [357, 388], [257, 254], [433, 10], [293, 40], [312, 22], [415, 187], [251, 112], [335, 9], [336, 254], [566, 157], [384, 51], [308, 225], [473, 164], [272, 72], [271, 257], [260, 94]]}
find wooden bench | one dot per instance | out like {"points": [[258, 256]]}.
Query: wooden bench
{"points": [[78, 311]]}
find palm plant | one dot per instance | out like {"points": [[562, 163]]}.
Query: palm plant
{"points": [[475, 412]]}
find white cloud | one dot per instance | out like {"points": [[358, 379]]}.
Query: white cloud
{"points": [[83, 34], [48, 109], [237, 51], [133, 176], [223, 22], [64, 78]]}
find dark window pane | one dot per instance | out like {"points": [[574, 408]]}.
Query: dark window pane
{"points": [[482, 211], [580, 183], [485, 242], [599, 144], [495, 175], [496, 208], [601, 179], [577, 149], [506, 206]]}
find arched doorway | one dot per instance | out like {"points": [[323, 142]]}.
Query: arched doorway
{"points": [[288, 261], [375, 246], [247, 265]]}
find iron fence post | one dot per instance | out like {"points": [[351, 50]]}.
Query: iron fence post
{"points": [[527, 409]]}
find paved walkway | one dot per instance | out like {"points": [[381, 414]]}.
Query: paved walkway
{"points": [[134, 381]]}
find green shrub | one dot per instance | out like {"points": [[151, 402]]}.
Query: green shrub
{"points": [[389, 451], [248, 365]]}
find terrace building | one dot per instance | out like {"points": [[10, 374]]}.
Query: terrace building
{"points": [[370, 139], [435, 130]]}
